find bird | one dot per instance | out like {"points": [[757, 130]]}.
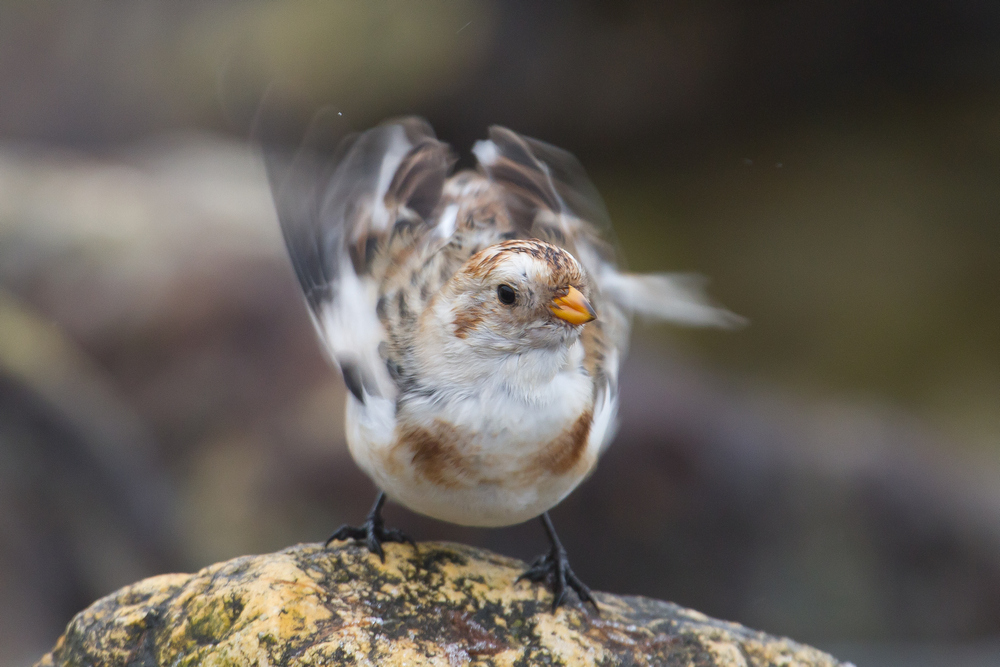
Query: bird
{"points": [[478, 317]]}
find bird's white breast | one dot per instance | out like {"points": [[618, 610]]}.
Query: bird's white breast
{"points": [[494, 455]]}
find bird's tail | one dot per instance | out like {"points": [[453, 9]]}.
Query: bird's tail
{"points": [[674, 297]]}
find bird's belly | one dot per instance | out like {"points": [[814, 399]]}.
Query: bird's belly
{"points": [[487, 470]]}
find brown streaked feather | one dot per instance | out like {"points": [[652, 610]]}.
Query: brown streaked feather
{"points": [[419, 180], [563, 176], [595, 347], [564, 270], [482, 204], [363, 252], [411, 198], [521, 172], [549, 192], [467, 320]]}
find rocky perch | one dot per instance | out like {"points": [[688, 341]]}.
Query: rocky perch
{"points": [[444, 605]]}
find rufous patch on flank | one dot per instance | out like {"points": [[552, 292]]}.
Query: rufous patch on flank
{"points": [[563, 453], [435, 453]]}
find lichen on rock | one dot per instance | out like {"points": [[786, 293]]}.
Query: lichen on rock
{"points": [[443, 604]]}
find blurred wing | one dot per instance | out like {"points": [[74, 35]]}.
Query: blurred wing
{"points": [[553, 192], [336, 208], [550, 194]]}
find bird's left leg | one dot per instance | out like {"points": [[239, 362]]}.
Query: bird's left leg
{"points": [[554, 567], [372, 531]]}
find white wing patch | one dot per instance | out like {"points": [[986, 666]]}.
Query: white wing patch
{"points": [[351, 332], [397, 149], [446, 223], [605, 424], [486, 152]]}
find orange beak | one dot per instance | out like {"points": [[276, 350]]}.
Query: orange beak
{"points": [[573, 307]]}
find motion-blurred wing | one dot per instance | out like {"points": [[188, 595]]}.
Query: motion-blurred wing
{"points": [[336, 209], [553, 195], [550, 195]]}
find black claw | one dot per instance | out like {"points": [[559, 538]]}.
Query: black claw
{"points": [[372, 531], [346, 532], [537, 571], [582, 591], [375, 546], [396, 535], [558, 600], [554, 569]]}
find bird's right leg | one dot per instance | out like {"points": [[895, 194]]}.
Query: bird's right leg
{"points": [[372, 531]]}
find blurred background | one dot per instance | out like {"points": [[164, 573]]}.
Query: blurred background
{"points": [[831, 473]]}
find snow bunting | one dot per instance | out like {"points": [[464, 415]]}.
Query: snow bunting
{"points": [[478, 319]]}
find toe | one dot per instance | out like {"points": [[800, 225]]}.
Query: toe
{"points": [[534, 573], [373, 543], [582, 591], [345, 532], [396, 535], [560, 597]]}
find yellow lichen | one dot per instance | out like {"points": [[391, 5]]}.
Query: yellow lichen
{"points": [[442, 605]]}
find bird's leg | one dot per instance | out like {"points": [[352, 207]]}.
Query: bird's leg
{"points": [[554, 568], [372, 531]]}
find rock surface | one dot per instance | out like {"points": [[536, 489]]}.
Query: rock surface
{"points": [[445, 604]]}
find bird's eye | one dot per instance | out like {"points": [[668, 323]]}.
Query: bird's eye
{"points": [[507, 295]]}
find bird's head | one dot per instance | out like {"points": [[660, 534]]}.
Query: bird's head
{"points": [[519, 295]]}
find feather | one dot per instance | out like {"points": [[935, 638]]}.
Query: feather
{"points": [[675, 297], [548, 187], [336, 206]]}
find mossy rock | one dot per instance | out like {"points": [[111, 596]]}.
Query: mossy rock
{"points": [[444, 604]]}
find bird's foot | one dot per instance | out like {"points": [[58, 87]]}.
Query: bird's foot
{"points": [[554, 569], [373, 532]]}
